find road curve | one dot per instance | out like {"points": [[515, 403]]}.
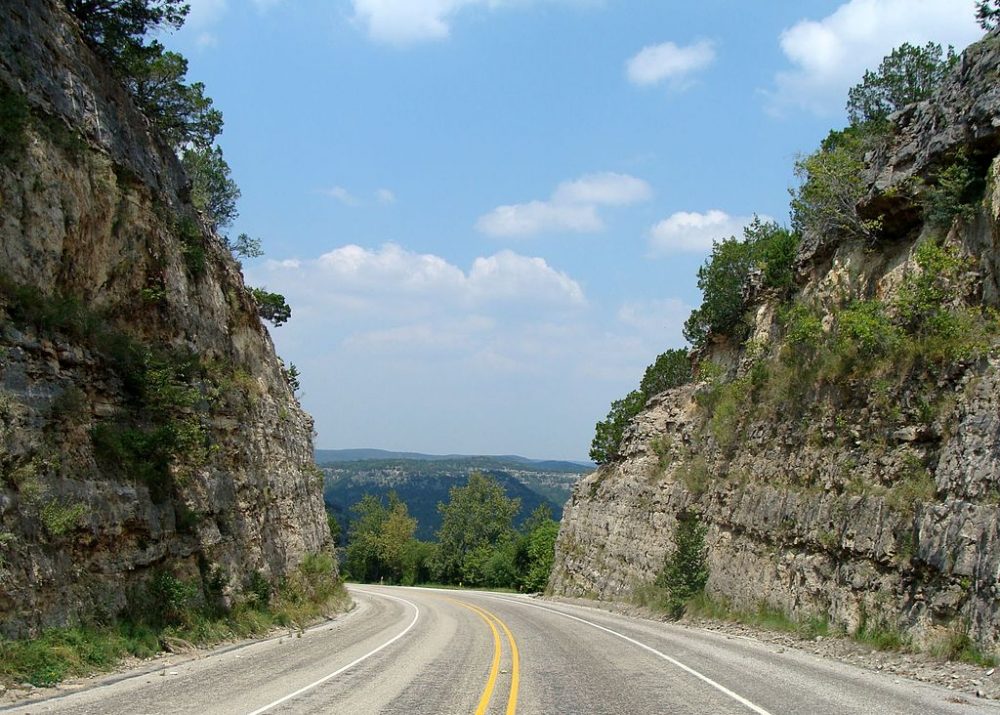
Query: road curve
{"points": [[430, 651]]}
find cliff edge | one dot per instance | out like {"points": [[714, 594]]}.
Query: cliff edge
{"points": [[146, 424], [844, 456]]}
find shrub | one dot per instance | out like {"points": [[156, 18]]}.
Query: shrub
{"points": [[192, 245], [670, 369], [608, 433], [213, 190], [831, 185], [766, 247], [685, 572], [864, 330], [955, 191]]}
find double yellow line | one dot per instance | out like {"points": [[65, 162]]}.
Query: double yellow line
{"points": [[493, 621]]}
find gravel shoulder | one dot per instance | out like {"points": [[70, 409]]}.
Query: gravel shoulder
{"points": [[965, 679]]}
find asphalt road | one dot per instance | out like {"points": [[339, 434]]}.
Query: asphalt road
{"points": [[415, 651]]}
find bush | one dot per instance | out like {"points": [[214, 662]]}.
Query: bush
{"points": [[954, 192], [670, 369], [831, 185], [766, 247], [192, 245], [685, 572], [608, 433]]}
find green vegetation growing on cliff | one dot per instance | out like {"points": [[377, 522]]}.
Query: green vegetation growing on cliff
{"points": [[684, 573], [167, 612], [670, 369], [906, 75]]}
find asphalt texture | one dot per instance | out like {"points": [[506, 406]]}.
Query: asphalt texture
{"points": [[413, 651]]}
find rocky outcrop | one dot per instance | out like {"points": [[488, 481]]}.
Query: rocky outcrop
{"points": [[145, 421], [864, 501]]}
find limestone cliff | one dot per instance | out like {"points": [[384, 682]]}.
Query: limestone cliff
{"points": [[851, 493], [145, 421]]}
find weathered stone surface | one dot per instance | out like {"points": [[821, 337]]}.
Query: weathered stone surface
{"points": [[822, 507], [97, 221]]}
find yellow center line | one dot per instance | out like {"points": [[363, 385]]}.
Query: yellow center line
{"points": [[484, 699], [515, 657]]}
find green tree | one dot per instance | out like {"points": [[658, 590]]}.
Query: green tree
{"points": [[721, 281], [245, 247], [988, 14], [396, 534], [363, 558], [476, 518], [670, 369], [608, 432], [685, 571], [181, 112], [117, 28], [213, 191], [271, 306], [907, 75], [540, 551], [379, 538], [831, 185]]}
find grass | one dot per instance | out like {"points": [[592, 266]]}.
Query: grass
{"points": [[59, 653], [765, 616]]}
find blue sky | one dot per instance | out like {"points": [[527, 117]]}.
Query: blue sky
{"points": [[487, 215]]}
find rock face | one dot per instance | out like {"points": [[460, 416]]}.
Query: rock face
{"points": [[145, 420], [868, 501]]}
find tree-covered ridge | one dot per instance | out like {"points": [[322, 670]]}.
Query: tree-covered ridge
{"points": [[422, 484]]}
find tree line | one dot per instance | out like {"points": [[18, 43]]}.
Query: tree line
{"points": [[477, 544]]}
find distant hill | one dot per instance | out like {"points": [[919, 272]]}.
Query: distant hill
{"points": [[330, 456], [422, 481]]}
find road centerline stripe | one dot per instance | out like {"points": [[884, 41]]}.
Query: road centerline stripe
{"points": [[673, 661], [515, 656], [491, 682], [366, 656]]}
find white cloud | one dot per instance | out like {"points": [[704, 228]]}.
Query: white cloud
{"points": [[539, 217], [690, 231], [385, 197], [831, 55], [572, 207], [342, 195], [605, 189], [668, 61], [406, 22], [412, 277]]}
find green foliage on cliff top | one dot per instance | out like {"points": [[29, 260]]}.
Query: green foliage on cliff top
{"points": [[906, 75], [988, 13], [766, 248]]}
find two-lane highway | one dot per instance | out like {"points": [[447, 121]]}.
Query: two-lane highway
{"points": [[413, 651]]}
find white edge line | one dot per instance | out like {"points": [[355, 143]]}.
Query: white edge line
{"points": [[366, 656], [673, 661]]}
